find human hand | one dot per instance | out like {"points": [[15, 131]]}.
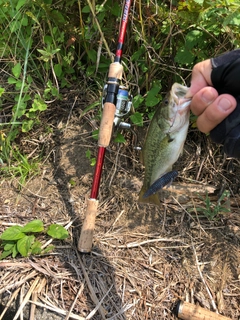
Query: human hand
{"points": [[210, 107], [215, 92]]}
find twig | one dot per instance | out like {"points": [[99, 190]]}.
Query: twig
{"points": [[115, 221], [26, 298], [35, 293], [74, 302], [92, 292], [13, 296], [99, 29], [92, 313], [18, 283], [204, 282], [138, 244], [70, 113], [51, 307]]}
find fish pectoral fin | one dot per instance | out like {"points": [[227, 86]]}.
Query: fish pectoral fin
{"points": [[154, 199], [170, 139]]}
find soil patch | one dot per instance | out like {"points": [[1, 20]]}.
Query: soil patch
{"points": [[144, 258]]}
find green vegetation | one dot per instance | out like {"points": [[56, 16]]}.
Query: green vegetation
{"points": [[211, 210], [22, 240], [48, 46]]}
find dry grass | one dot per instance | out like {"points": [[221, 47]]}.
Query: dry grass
{"points": [[144, 258]]}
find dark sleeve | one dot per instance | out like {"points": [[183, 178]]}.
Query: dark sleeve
{"points": [[225, 74], [225, 78]]}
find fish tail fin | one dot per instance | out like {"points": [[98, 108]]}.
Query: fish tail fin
{"points": [[151, 199]]}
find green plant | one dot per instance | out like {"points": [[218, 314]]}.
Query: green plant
{"points": [[50, 46], [90, 158], [211, 209], [35, 64], [22, 168], [22, 240]]}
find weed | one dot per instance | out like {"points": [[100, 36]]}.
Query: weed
{"points": [[91, 159], [47, 46], [211, 210], [22, 240], [20, 167]]}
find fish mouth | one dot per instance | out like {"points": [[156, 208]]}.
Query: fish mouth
{"points": [[178, 93]]}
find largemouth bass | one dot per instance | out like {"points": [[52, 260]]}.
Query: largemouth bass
{"points": [[164, 141]]}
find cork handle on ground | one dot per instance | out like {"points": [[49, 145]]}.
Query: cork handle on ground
{"points": [[189, 311], [105, 132], [86, 237]]}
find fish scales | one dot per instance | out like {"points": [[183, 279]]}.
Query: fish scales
{"points": [[165, 138]]}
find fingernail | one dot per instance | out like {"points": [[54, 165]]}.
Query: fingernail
{"points": [[208, 97], [224, 104]]}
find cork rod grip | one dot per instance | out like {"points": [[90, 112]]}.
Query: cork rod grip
{"points": [[86, 237], [105, 130], [189, 311], [106, 125]]}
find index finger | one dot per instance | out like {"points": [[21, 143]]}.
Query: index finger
{"points": [[201, 77]]}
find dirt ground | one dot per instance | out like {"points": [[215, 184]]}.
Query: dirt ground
{"points": [[144, 258]]}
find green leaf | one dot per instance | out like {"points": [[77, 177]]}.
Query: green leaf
{"points": [[57, 17], [137, 119], [199, 2], [86, 9], [92, 54], [24, 21], [58, 69], [24, 244], [4, 254], [16, 70], [95, 134], [2, 90], [48, 39], [184, 56], [194, 38], [152, 99], [14, 251], [88, 154], [20, 4], [93, 162], [36, 247], [11, 80], [9, 246], [18, 85], [119, 138], [33, 226], [13, 233], [137, 101], [137, 54], [72, 182], [57, 231], [27, 125], [232, 19], [38, 105], [116, 9], [48, 249]]}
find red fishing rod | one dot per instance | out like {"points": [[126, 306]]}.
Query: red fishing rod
{"points": [[114, 96]]}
